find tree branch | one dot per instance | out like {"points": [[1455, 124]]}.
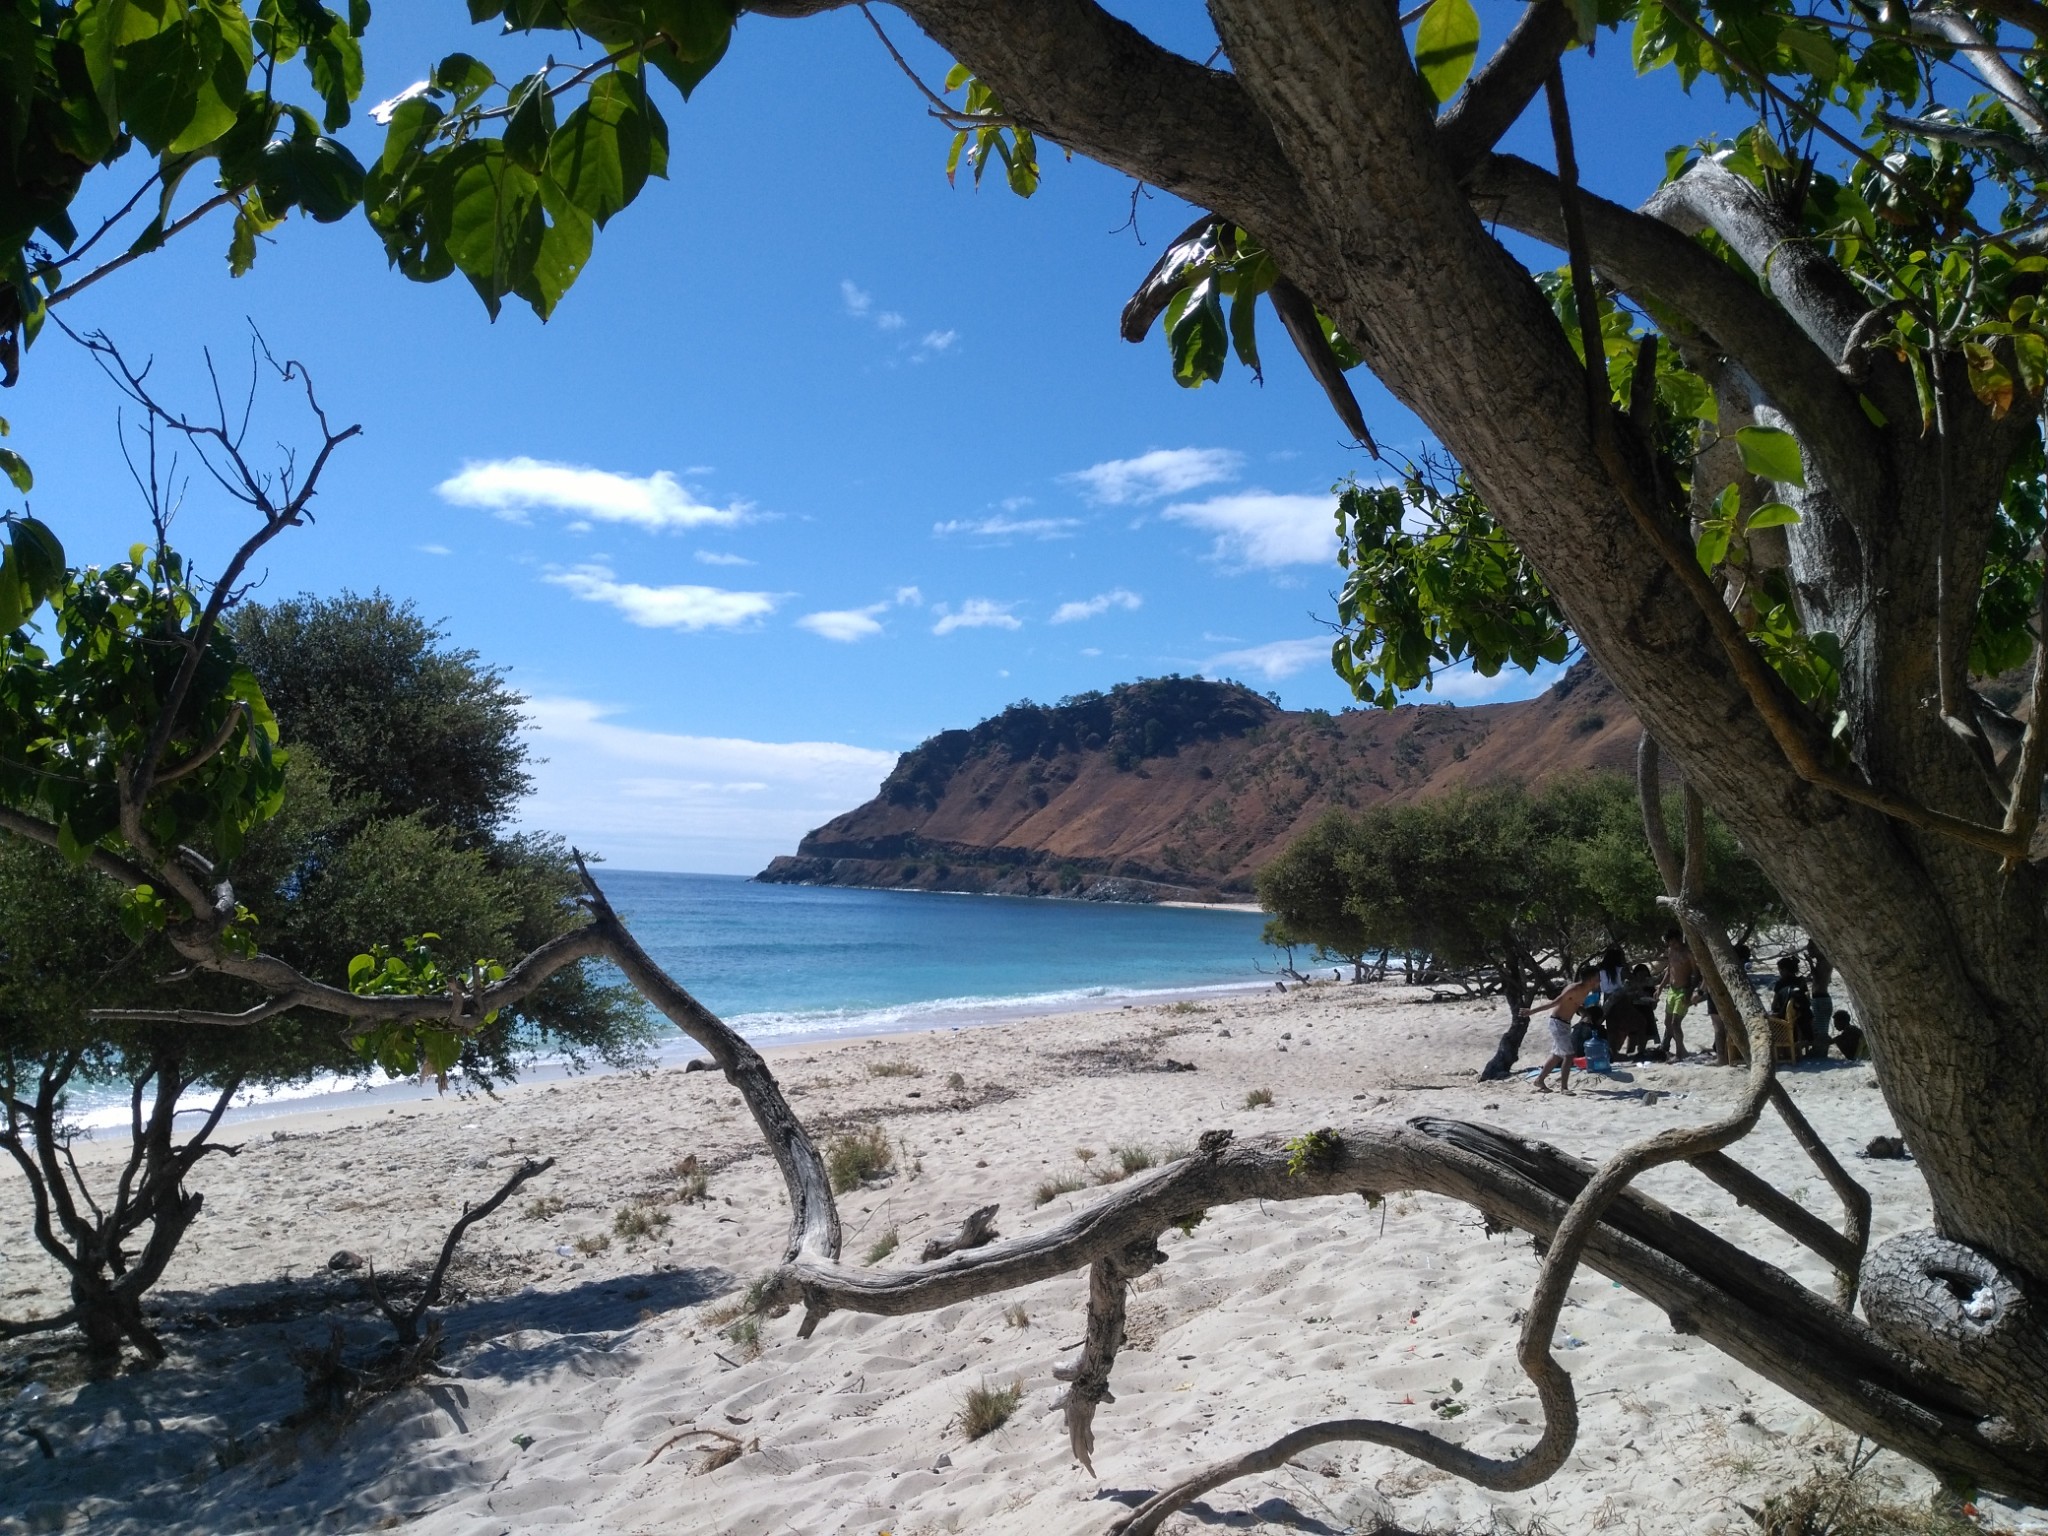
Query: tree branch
{"points": [[1664, 268], [1075, 74], [2007, 83], [1503, 88]]}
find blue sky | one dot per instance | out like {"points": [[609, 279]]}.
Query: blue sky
{"points": [[820, 456]]}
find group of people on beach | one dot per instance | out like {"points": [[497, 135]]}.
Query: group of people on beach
{"points": [[1610, 1012]]}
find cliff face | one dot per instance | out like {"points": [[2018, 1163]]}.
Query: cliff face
{"points": [[1180, 789]]}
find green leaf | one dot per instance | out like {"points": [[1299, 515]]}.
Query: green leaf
{"points": [[531, 124], [1771, 454], [494, 220], [16, 469], [462, 77], [39, 558], [1772, 514], [603, 154], [1446, 43], [1713, 545], [306, 169]]}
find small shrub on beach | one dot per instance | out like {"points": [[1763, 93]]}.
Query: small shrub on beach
{"points": [[546, 1208], [636, 1221], [692, 1183], [1837, 1501], [894, 1069], [1050, 1190], [746, 1333], [756, 1298], [593, 1244], [956, 1082], [861, 1154], [1258, 1098], [1133, 1159], [1086, 1155], [988, 1408], [1015, 1315], [881, 1247], [1183, 1006]]}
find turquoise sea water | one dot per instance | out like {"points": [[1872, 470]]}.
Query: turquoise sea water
{"points": [[788, 963], [783, 962]]}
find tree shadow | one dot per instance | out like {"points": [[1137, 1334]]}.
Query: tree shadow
{"points": [[152, 1449], [1274, 1511]]}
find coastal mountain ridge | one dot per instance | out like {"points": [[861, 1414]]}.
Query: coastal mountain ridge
{"points": [[1180, 789]]}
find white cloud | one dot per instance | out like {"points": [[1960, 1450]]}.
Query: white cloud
{"points": [[677, 607], [657, 800], [434, 549], [381, 113], [889, 320], [845, 625], [1462, 685], [510, 487], [1095, 607], [1272, 661], [856, 300], [1162, 472], [1009, 527], [719, 557], [935, 342], [976, 613], [1263, 529]]}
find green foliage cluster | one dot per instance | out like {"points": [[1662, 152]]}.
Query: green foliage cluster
{"points": [[505, 182], [1493, 877], [85, 695], [1313, 1152], [340, 882], [1432, 580]]}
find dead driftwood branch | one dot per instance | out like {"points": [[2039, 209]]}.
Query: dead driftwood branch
{"points": [[977, 1231], [729, 1449], [407, 1321]]}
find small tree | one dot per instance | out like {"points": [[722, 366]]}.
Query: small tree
{"points": [[347, 862], [1513, 885]]}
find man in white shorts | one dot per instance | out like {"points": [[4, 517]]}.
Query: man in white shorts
{"points": [[1561, 1008]]}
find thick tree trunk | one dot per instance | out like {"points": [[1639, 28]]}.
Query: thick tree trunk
{"points": [[1321, 138]]}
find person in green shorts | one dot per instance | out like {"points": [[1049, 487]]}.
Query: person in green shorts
{"points": [[1681, 986]]}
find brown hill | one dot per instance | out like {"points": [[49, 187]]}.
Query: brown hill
{"points": [[1180, 789]]}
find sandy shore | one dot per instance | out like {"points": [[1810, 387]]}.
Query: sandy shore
{"points": [[577, 1354]]}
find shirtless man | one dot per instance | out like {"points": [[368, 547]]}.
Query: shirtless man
{"points": [[1559, 1017], [1681, 982]]}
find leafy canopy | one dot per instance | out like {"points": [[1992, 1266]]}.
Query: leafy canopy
{"points": [[1474, 878]]}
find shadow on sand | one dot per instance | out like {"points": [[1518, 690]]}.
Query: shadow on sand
{"points": [[162, 1450]]}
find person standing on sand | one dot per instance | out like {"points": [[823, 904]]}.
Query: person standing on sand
{"points": [[1681, 983], [1562, 1007]]}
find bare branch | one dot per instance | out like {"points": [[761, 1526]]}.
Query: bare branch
{"points": [[407, 1323], [35, 830], [108, 269]]}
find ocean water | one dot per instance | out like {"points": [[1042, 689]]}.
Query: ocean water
{"points": [[792, 962], [784, 964]]}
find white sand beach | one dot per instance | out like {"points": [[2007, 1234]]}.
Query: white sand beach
{"points": [[573, 1375]]}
